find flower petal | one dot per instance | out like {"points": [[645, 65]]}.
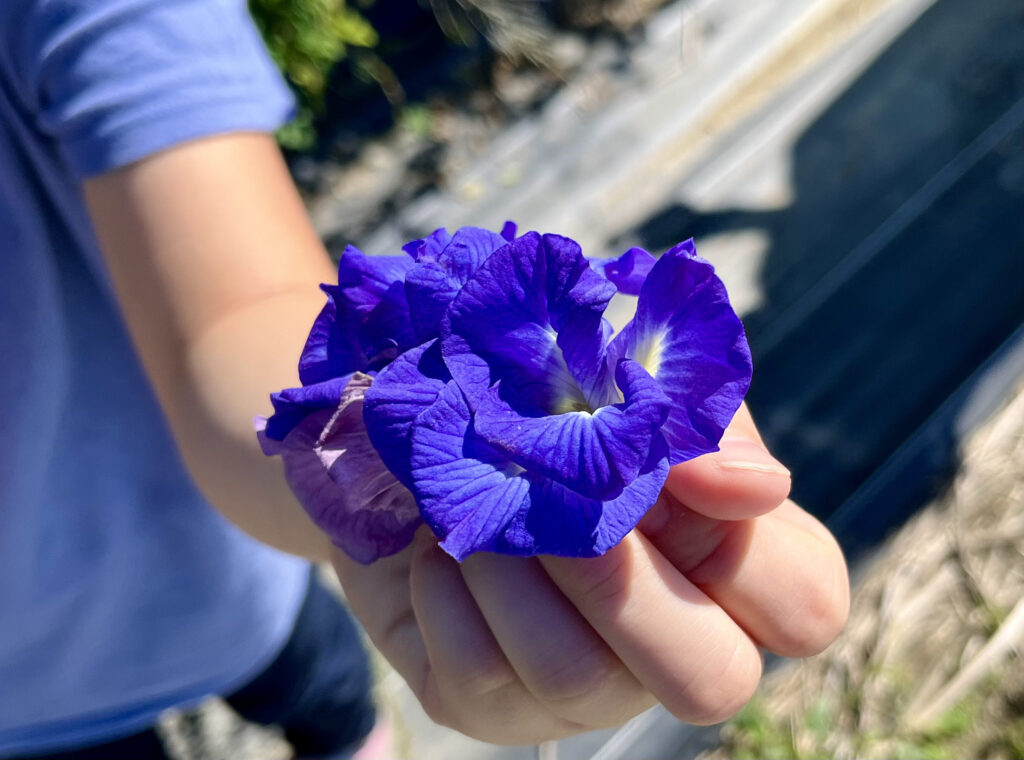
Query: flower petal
{"points": [[292, 405], [468, 493], [374, 286], [365, 281], [566, 523], [399, 394], [340, 480], [628, 271], [332, 348], [531, 318], [686, 334], [430, 247], [365, 321], [475, 499], [434, 280], [595, 454], [508, 230]]}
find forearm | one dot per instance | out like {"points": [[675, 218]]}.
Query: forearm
{"points": [[231, 368], [216, 268]]}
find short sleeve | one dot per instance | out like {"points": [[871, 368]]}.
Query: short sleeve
{"points": [[113, 81]]}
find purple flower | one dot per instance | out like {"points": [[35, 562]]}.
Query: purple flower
{"points": [[368, 320], [475, 384], [628, 272], [381, 306], [522, 429], [339, 478]]}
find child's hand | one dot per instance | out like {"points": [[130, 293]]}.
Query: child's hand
{"points": [[513, 650]]}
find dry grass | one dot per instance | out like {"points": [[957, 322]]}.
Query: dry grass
{"points": [[930, 663]]}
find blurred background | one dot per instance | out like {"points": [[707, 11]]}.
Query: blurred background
{"points": [[855, 171]]}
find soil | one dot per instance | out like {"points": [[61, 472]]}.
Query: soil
{"points": [[930, 663]]}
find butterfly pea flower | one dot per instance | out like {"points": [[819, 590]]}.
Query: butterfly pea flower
{"points": [[380, 307], [475, 384], [627, 272], [524, 428], [339, 478]]}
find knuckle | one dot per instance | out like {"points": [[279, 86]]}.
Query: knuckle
{"points": [[821, 614], [601, 583], [486, 678], [714, 699], [576, 677], [432, 702], [603, 697]]}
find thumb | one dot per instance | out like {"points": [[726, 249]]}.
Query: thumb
{"points": [[740, 481]]}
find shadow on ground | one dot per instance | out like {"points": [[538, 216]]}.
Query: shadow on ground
{"points": [[896, 272]]}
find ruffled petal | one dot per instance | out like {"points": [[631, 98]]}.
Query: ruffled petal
{"points": [[292, 405], [333, 347], [338, 477], [576, 301], [475, 499], [430, 247], [627, 272], [531, 319], [687, 336], [365, 321], [468, 493], [563, 522], [436, 278], [366, 281], [374, 287], [399, 394], [595, 454]]}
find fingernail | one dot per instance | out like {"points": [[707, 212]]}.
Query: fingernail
{"points": [[740, 453]]}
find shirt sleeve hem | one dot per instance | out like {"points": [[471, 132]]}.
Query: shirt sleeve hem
{"points": [[164, 129]]}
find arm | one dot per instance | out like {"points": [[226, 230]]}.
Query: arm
{"points": [[216, 267]]}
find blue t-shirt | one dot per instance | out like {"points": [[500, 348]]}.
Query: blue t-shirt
{"points": [[122, 592]]}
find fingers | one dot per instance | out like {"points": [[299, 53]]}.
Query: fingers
{"points": [[780, 576], [739, 481], [379, 597], [678, 643], [553, 649], [472, 687]]}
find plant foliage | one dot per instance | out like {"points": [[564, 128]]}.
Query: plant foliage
{"points": [[306, 39]]}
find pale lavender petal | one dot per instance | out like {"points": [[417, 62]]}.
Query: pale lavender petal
{"points": [[292, 405], [686, 334], [338, 477]]}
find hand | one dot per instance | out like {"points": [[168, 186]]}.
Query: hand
{"points": [[516, 651]]}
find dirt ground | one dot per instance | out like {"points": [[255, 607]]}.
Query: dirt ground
{"points": [[930, 665]]}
